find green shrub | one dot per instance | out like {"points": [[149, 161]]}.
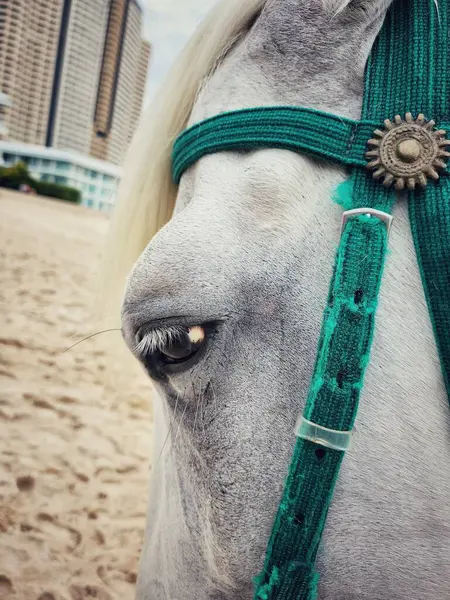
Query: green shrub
{"points": [[13, 177], [55, 190]]}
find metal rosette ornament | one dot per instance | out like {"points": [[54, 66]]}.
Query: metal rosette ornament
{"points": [[407, 152]]}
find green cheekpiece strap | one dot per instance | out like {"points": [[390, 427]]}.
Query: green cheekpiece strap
{"points": [[407, 72], [429, 209], [430, 226]]}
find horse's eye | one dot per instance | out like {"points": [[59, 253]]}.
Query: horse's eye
{"points": [[184, 345], [170, 348]]}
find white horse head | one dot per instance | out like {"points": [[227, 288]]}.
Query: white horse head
{"points": [[223, 307]]}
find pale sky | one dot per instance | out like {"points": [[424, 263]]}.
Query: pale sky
{"points": [[168, 24]]}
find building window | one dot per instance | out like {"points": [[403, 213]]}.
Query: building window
{"points": [[62, 166], [47, 177]]}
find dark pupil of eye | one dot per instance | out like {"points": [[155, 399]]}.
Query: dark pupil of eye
{"points": [[180, 348]]}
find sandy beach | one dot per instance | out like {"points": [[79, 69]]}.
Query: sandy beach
{"points": [[76, 426]]}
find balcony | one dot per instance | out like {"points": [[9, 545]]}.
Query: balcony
{"points": [[5, 100], [3, 130]]}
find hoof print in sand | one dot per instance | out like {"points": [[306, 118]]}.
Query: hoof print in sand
{"points": [[85, 592], [6, 587], [25, 483]]}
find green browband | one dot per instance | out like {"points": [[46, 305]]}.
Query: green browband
{"points": [[295, 128], [408, 73], [289, 127]]}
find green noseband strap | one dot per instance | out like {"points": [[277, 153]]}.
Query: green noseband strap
{"points": [[408, 73]]}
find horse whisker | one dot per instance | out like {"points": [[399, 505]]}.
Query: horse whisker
{"points": [[181, 421], [88, 337], [168, 434]]}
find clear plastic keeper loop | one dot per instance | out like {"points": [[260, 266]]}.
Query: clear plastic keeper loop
{"points": [[330, 438]]}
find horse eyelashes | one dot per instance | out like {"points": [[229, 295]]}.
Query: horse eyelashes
{"points": [[150, 340]]}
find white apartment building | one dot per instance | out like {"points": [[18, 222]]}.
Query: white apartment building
{"points": [[97, 180]]}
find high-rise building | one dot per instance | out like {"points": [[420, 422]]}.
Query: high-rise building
{"points": [[122, 82], [76, 83], [139, 88], [108, 78], [29, 33], [5, 105], [74, 73]]}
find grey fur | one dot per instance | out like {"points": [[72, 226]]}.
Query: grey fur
{"points": [[251, 248]]}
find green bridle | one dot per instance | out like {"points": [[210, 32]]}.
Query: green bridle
{"points": [[408, 74]]}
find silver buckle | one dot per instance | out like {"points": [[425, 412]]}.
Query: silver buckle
{"points": [[370, 212]]}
